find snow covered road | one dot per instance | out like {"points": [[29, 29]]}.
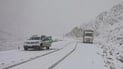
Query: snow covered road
{"points": [[46, 61], [84, 57], [72, 55], [16, 57]]}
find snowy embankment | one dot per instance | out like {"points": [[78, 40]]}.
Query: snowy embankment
{"points": [[12, 57], [111, 43]]}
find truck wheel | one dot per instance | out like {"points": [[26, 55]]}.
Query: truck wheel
{"points": [[41, 46], [25, 49], [47, 48]]}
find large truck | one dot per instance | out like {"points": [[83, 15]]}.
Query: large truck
{"points": [[88, 36], [38, 42]]}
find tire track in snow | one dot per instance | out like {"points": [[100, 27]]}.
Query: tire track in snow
{"points": [[55, 64], [8, 67]]}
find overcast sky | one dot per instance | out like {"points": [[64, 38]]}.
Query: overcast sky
{"points": [[52, 17]]}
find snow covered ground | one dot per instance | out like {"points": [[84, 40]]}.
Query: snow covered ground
{"points": [[11, 57], [85, 56], [46, 61]]}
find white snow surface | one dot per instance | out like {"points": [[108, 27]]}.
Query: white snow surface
{"points": [[12, 57], [46, 61], [85, 56]]}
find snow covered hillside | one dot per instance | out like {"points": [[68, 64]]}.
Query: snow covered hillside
{"points": [[108, 27], [8, 41]]}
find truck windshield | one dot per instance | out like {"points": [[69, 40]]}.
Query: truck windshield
{"points": [[35, 38], [88, 34]]}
